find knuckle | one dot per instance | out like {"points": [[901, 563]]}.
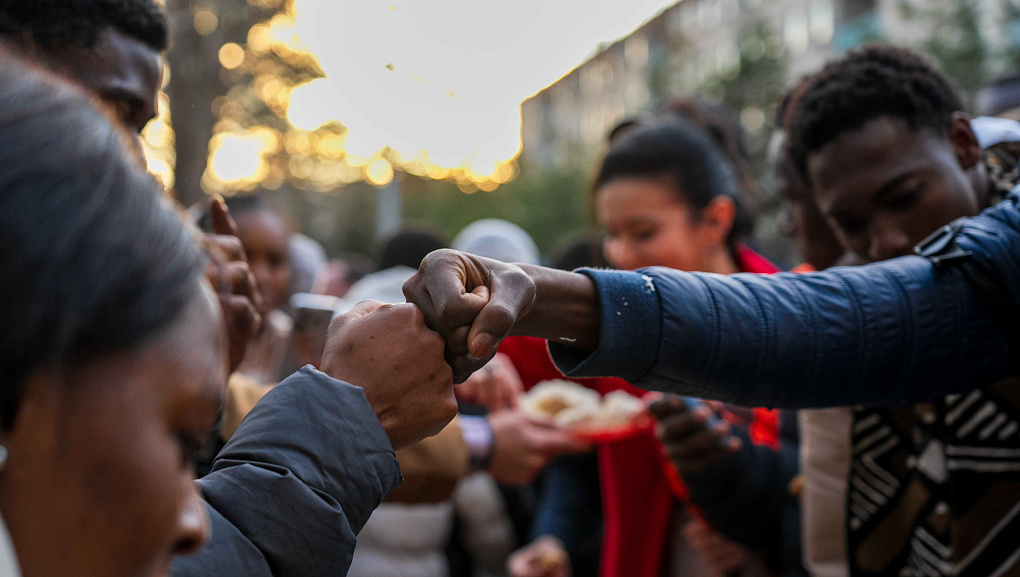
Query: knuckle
{"points": [[416, 315], [337, 324], [502, 314], [448, 408], [232, 244], [447, 313]]}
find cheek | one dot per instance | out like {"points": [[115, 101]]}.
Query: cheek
{"points": [[676, 247], [937, 209], [132, 480]]}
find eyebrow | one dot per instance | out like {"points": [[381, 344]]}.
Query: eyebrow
{"points": [[891, 185], [134, 100]]}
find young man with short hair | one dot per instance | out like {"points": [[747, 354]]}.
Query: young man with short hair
{"points": [[882, 138]]}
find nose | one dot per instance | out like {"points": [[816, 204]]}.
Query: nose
{"points": [[193, 527], [888, 241], [621, 254]]}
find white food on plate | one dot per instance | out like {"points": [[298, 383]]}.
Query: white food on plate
{"points": [[548, 399], [571, 405]]}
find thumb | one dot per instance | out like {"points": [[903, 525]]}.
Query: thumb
{"points": [[363, 308], [219, 216], [509, 295]]}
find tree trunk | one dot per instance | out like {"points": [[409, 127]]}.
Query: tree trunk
{"points": [[195, 82]]}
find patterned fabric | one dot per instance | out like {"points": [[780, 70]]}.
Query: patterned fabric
{"points": [[1002, 163], [935, 488]]}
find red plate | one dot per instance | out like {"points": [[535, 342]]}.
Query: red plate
{"points": [[641, 424]]}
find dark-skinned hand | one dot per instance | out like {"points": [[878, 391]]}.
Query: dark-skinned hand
{"points": [[694, 439], [473, 302], [233, 281], [389, 352]]}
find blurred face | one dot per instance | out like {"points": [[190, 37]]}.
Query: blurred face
{"points": [[647, 225], [100, 475], [801, 219], [885, 187], [266, 241], [124, 72]]}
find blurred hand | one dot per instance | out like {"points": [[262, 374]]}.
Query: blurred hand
{"points": [[496, 386], [522, 446], [693, 439], [230, 277], [544, 557], [388, 351], [723, 557], [473, 302]]}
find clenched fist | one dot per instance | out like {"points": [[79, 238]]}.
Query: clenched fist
{"points": [[472, 301], [389, 352]]}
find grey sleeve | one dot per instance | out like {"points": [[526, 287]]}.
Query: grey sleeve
{"points": [[296, 483]]}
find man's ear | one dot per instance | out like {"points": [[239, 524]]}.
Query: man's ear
{"points": [[965, 142]]}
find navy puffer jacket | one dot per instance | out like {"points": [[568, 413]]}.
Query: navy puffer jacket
{"points": [[896, 332]]}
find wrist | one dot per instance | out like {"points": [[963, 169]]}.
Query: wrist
{"points": [[566, 309], [480, 441]]}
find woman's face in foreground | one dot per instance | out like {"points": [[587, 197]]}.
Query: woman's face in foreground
{"points": [[99, 480]]}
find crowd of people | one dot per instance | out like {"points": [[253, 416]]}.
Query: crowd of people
{"points": [[202, 392]]}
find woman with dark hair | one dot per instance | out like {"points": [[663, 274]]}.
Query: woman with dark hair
{"points": [[113, 359], [111, 350], [666, 196]]}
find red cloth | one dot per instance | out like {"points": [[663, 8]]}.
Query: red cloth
{"points": [[637, 501]]}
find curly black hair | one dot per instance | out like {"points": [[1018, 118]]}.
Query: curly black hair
{"points": [[865, 84], [56, 24]]}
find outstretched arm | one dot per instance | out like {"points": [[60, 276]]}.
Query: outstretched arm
{"points": [[895, 332]]}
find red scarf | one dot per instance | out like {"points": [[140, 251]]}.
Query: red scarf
{"points": [[637, 501]]}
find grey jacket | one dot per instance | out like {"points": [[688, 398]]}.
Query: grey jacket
{"points": [[295, 484]]}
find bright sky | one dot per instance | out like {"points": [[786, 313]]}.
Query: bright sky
{"points": [[446, 76]]}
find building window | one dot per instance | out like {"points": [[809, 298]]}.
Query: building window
{"points": [[729, 10], [822, 22], [689, 15], [796, 32], [676, 19], [711, 17], [855, 8], [635, 51]]}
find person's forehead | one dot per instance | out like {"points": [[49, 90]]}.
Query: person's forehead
{"points": [[193, 345], [860, 161], [117, 63], [263, 223]]}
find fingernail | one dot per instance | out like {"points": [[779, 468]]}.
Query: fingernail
{"points": [[482, 345]]}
